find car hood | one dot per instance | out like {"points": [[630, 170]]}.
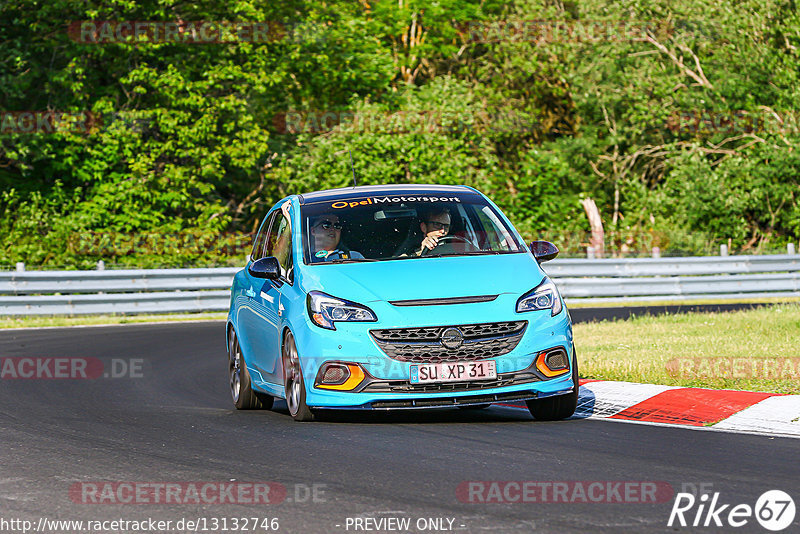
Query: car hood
{"points": [[426, 278]]}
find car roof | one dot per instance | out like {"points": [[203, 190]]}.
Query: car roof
{"points": [[394, 189]]}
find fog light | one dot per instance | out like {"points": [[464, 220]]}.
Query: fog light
{"points": [[340, 376], [552, 363], [556, 360], [336, 374]]}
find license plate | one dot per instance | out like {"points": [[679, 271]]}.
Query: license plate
{"points": [[424, 373]]}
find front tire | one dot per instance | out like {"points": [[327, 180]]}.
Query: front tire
{"points": [[294, 385], [561, 406], [242, 394]]}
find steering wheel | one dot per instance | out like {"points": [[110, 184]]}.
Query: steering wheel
{"points": [[447, 239]]}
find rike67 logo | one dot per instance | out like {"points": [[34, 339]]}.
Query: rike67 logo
{"points": [[774, 510]]}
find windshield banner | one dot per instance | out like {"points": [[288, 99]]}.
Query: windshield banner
{"points": [[390, 200]]}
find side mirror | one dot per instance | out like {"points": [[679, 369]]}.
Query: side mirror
{"points": [[265, 268], [543, 250]]}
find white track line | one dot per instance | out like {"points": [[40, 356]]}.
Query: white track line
{"points": [[607, 398], [779, 414]]}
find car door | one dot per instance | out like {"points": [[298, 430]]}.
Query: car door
{"points": [[265, 302], [258, 318], [247, 322]]}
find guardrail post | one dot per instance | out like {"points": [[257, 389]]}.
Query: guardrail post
{"points": [[20, 266], [723, 250], [101, 265], [590, 253], [656, 253], [790, 248]]}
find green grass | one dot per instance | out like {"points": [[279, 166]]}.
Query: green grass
{"points": [[729, 350], [38, 322], [581, 303]]}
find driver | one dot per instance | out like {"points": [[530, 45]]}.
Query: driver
{"points": [[326, 234], [435, 225]]}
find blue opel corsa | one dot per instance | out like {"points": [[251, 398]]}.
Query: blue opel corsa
{"points": [[398, 296]]}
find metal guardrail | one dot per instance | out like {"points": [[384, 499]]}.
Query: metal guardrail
{"points": [[580, 280], [668, 279], [698, 265], [129, 291], [70, 282], [117, 303]]}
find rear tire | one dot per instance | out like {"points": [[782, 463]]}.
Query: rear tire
{"points": [[242, 393], [294, 385], [561, 406]]}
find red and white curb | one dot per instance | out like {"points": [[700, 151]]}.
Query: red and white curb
{"points": [[716, 409]]}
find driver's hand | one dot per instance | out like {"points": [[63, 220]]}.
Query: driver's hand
{"points": [[430, 242], [285, 208]]}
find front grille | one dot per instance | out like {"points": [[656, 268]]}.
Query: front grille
{"points": [[423, 345]]}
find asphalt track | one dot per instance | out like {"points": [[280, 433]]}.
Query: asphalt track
{"points": [[174, 422]]}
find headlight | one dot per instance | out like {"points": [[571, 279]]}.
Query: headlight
{"points": [[543, 297], [325, 310]]}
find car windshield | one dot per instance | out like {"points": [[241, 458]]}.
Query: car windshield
{"points": [[410, 226]]}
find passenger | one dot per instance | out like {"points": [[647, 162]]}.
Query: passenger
{"points": [[283, 246], [326, 235]]}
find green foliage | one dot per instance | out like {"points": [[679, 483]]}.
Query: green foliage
{"points": [[678, 118], [434, 137], [751, 199]]}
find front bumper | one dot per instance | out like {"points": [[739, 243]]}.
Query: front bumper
{"points": [[449, 400], [386, 384]]}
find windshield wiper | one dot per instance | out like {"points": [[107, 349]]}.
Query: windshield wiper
{"points": [[350, 260], [482, 252], [407, 257], [473, 253]]}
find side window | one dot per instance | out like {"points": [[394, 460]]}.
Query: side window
{"points": [[261, 240], [280, 244], [469, 230], [492, 240], [499, 237]]}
